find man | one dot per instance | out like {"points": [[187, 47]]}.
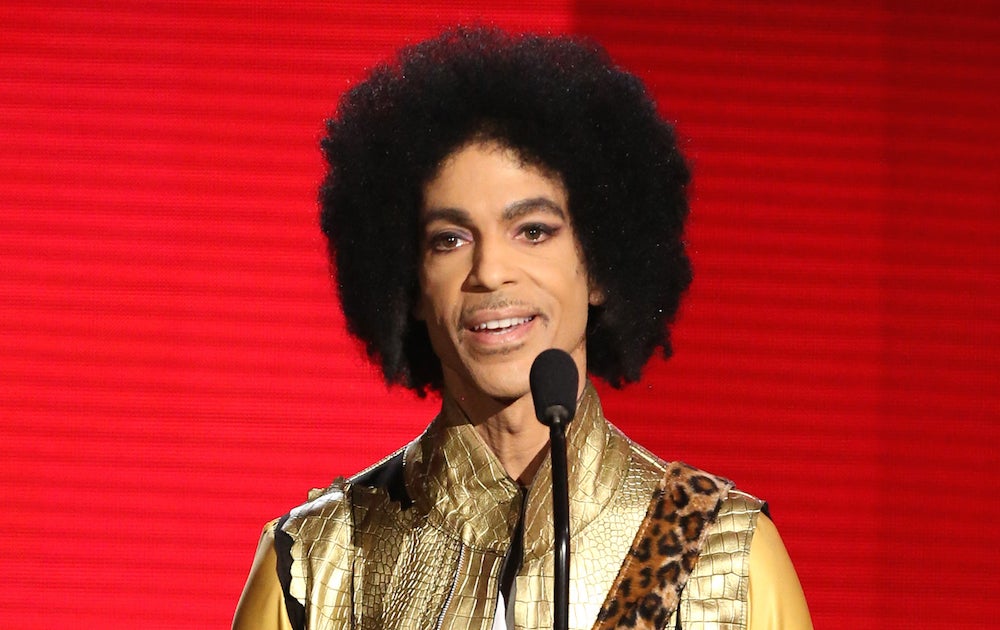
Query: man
{"points": [[488, 197]]}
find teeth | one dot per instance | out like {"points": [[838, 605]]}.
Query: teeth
{"points": [[497, 324]]}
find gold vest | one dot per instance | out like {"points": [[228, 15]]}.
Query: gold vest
{"points": [[355, 558]]}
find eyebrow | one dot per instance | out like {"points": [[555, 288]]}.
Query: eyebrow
{"points": [[525, 206], [510, 212]]}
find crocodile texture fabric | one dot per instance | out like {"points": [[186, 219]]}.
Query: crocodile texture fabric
{"points": [[665, 550], [715, 597], [357, 559]]}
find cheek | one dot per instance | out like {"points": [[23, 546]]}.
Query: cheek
{"points": [[441, 281], [433, 305]]}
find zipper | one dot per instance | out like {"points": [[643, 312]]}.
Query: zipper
{"points": [[454, 585], [461, 559]]}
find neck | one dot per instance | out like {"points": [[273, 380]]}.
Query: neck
{"points": [[517, 438], [511, 431]]}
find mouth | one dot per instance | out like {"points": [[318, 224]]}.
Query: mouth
{"points": [[489, 333], [500, 326]]}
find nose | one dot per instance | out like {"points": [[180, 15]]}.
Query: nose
{"points": [[493, 265]]}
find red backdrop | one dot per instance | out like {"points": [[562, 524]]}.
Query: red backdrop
{"points": [[174, 370]]}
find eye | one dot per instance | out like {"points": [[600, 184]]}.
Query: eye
{"points": [[536, 232], [446, 241]]}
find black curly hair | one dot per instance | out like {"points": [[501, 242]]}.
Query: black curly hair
{"points": [[560, 104]]}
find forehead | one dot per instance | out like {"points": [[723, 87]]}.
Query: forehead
{"points": [[489, 175]]}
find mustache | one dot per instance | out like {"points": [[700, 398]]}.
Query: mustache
{"points": [[498, 303], [494, 304]]}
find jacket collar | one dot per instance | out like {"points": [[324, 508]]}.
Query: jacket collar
{"points": [[456, 480]]}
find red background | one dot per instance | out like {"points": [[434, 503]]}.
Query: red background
{"points": [[174, 371]]}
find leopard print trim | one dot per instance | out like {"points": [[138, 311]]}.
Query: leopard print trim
{"points": [[665, 550]]}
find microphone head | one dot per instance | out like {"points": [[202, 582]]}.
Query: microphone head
{"points": [[554, 380]]}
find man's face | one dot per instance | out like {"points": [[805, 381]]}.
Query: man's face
{"points": [[501, 274]]}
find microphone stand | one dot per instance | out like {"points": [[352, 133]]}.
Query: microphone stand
{"points": [[554, 378], [560, 516]]}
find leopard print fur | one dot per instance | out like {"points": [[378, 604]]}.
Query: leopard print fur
{"points": [[665, 550]]}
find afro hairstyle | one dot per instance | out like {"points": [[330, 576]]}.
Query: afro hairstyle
{"points": [[561, 105]]}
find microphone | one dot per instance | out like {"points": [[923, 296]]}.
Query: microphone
{"points": [[554, 380]]}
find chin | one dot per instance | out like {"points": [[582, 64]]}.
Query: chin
{"points": [[500, 382], [505, 389]]}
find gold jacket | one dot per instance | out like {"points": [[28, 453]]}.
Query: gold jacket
{"points": [[429, 554]]}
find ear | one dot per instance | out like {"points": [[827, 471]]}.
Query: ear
{"points": [[596, 297]]}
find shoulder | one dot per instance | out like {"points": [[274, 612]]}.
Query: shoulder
{"points": [[740, 511], [315, 543], [732, 531], [333, 510], [744, 547], [729, 538], [718, 585], [327, 511]]}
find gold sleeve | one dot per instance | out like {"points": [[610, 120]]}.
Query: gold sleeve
{"points": [[776, 600], [262, 604]]}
